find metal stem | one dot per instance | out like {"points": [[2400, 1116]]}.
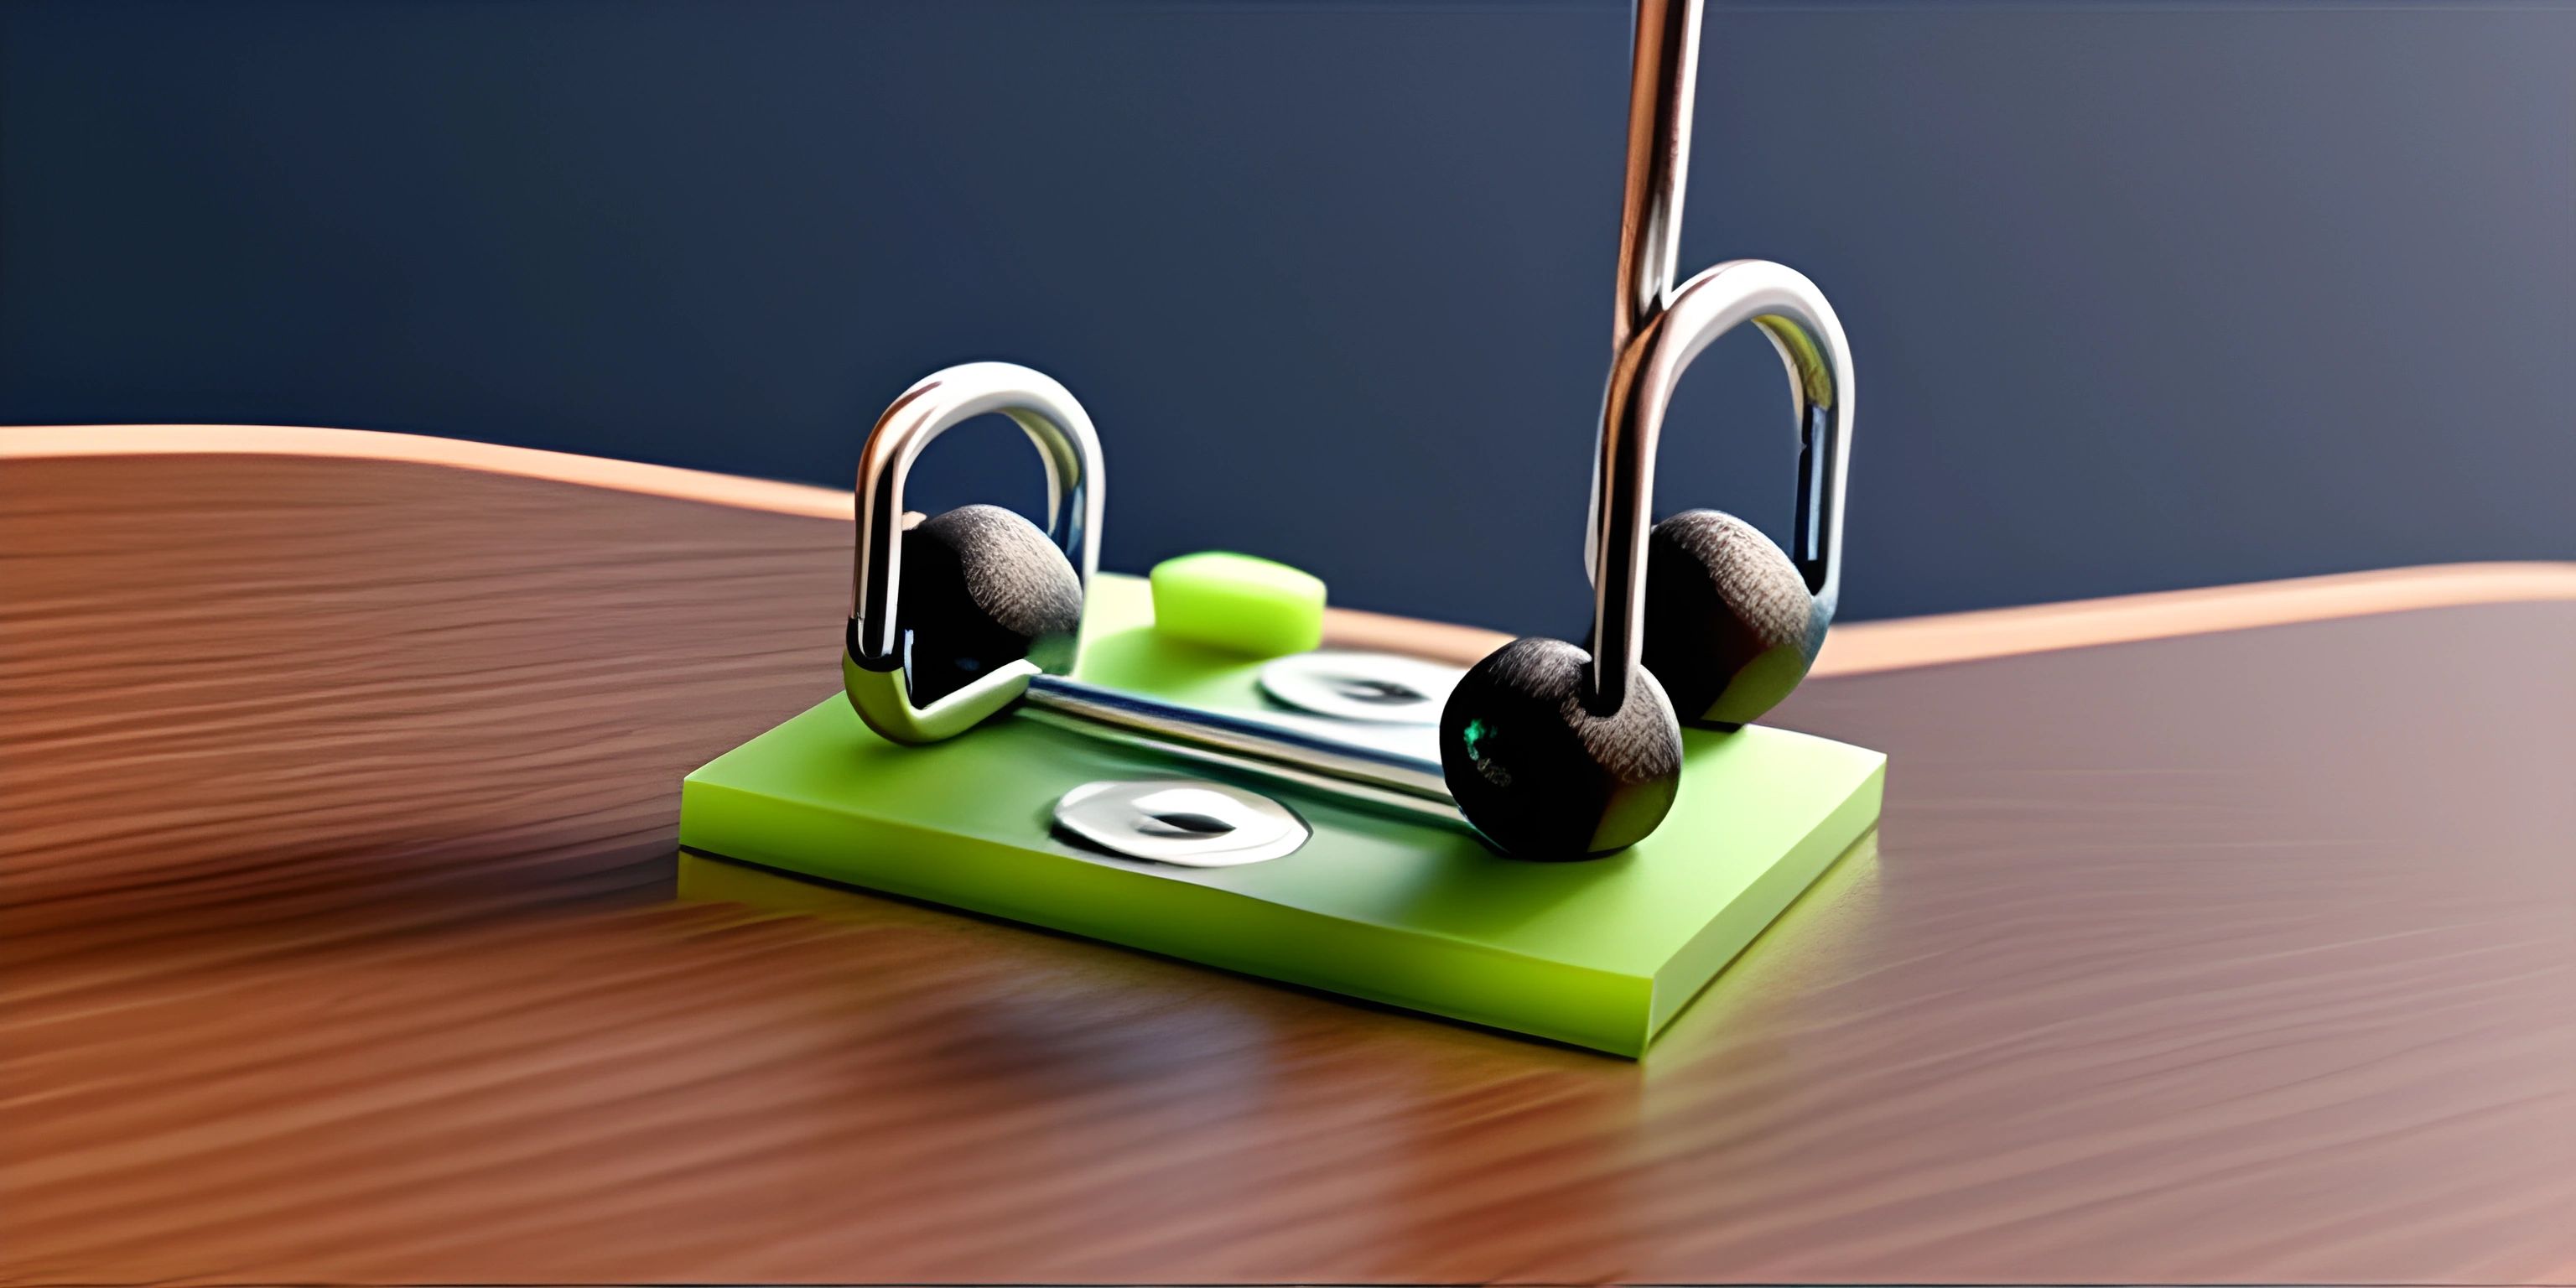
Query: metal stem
{"points": [[1271, 748], [1663, 89], [1663, 82]]}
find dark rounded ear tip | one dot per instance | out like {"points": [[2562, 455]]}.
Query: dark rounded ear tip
{"points": [[982, 588], [1730, 625], [1541, 775]]}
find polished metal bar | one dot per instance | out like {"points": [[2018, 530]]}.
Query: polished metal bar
{"points": [[1663, 82], [1273, 748], [1341, 791], [1663, 89]]}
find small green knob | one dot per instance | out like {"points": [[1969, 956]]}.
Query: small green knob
{"points": [[1238, 603]]}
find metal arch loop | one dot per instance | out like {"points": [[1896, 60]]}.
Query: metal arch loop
{"points": [[1802, 326], [1070, 450]]}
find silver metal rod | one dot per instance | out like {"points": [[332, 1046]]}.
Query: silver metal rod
{"points": [[1663, 89], [1340, 791], [1272, 748], [1663, 82]]}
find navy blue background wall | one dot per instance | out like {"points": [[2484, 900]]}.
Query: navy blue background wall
{"points": [[2144, 296]]}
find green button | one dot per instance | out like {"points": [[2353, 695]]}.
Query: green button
{"points": [[1238, 603]]}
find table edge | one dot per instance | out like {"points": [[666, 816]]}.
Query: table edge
{"points": [[1855, 648]]}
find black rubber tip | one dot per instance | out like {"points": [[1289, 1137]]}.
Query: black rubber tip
{"points": [[982, 588], [1730, 627], [1542, 776]]}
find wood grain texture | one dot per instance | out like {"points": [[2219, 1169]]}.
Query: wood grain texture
{"points": [[336, 944]]}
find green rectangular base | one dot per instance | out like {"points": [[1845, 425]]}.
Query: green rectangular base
{"points": [[1599, 954]]}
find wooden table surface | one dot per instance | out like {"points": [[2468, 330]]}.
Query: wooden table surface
{"points": [[338, 942]]}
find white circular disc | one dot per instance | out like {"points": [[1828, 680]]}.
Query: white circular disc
{"points": [[1371, 688], [1181, 820]]}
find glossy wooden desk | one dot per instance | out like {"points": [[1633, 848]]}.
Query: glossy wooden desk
{"points": [[338, 943]]}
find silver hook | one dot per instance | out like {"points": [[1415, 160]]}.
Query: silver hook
{"points": [[1287, 748], [1646, 337], [937, 403], [1802, 326], [872, 670]]}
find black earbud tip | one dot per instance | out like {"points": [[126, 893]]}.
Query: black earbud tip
{"points": [[982, 588], [1539, 773], [1730, 626]]}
